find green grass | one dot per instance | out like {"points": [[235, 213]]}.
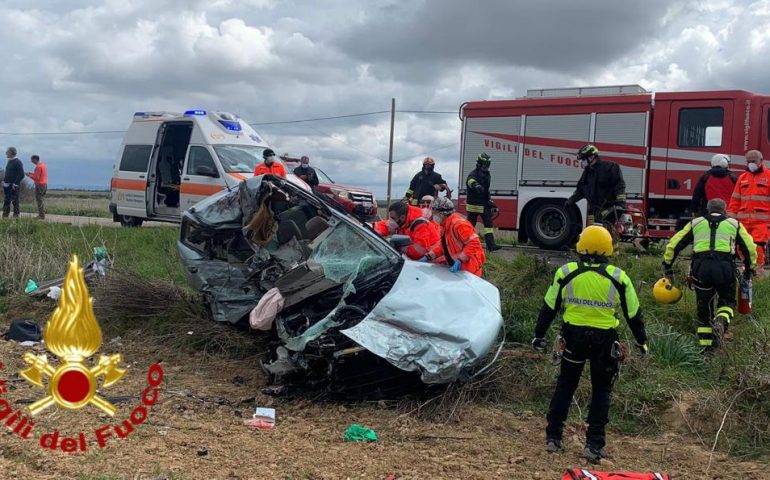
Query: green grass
{"points": [[646, 390], [70, 202]]}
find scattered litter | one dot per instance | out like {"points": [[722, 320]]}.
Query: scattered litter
{"points": [[581, 474], [202, 452], [274, 389], [357, 433], [54, 292], [30, 343], [100, 253], [31, 286], [190, 332], [263, 419], [23, 331]]}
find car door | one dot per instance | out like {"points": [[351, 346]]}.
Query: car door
{"points": [[202, 176], [129, 182]]}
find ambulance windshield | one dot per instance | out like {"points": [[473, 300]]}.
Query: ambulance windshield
{"points": [[239, 158]]}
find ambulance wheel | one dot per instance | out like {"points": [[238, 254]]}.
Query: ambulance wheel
{"points": [[129, 221], [551, 226]]}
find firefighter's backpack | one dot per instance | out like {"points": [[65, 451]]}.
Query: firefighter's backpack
{"points": [[580, 474]]}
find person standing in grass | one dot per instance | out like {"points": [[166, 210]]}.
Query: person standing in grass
{"points": [[590, 292], [14, 175], [40, 177]]}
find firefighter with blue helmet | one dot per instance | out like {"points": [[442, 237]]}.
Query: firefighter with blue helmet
{"points": [[590, 292]]}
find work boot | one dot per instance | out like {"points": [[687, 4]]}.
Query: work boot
{"points": [[489, 238], [719, 327], [593, 454], [553, 445]]}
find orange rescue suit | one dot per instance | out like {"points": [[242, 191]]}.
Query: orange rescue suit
{"points": [[459, 241], [750, 204], [274, 169], [422, 232]]}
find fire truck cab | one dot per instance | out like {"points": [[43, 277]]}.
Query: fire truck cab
{"points": [[663, 143]]}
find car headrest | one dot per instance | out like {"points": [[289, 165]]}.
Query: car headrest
{"points": [[315, 226]]}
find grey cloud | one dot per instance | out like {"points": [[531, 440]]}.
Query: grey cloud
{"points": [[547, 34]]}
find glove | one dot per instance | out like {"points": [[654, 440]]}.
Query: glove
{"points": [[454, 268], [643, 350], [668, 270], [423, 260], [538, 344], [478, 188]]}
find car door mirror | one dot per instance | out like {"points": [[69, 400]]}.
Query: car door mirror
{"points": [[400, 241], [205, 171]]}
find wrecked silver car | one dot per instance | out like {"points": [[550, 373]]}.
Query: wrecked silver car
{"points": [[344, 308]]}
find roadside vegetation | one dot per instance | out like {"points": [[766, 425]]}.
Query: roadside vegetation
{"points": [[723, 403]]}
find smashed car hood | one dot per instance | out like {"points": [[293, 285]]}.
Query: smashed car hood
{"points": [[432, 321]]}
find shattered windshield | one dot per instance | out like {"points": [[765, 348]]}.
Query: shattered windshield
{"points": [[345, 253], [239, 158]]}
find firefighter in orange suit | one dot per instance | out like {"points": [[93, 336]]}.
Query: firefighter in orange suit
{"points": [[270, 166], [750, 202], [404, 219], [460, 244]]}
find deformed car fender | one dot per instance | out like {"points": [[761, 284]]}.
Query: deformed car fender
{"points": [[439, 323]]}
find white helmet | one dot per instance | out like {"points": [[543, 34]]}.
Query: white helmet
{"points": [[720, 160]]}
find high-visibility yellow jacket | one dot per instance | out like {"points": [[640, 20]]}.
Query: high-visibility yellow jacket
{"points": [[713, 234], [591, 294]]}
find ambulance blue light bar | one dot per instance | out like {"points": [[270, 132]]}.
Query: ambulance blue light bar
{"points": [[232, 126], [194, 112]]}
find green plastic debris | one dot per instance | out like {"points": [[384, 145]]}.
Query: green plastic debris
{"points": [[31, 286], [357, 433], [100, 253]]}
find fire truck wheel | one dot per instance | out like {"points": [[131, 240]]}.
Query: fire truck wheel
{"points": [[550, 225]]}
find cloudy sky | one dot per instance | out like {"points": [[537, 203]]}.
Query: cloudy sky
{"points": [[82, 66]]}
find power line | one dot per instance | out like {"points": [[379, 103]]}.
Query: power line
{"points": [[347, 144], [320, 118], [427, 152], [283, 122]]}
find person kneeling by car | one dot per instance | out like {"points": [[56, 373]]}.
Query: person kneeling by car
{"points": [[460, 244], [404, 219], [590, 291]]}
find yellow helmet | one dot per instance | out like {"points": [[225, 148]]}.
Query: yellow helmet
{"points": [[595, 240], [665, 292]]}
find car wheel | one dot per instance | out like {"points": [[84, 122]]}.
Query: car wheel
{"points": [[129, 221], [550, 225]]}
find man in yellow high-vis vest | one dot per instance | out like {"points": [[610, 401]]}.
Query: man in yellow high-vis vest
{"points": [[591, 292], [715, 239]]}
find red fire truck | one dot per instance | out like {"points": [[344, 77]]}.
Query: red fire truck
{"points": [[663, 143]]}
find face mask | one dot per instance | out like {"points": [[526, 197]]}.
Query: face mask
{"points": [[392, 225], [437, 219], [427, 212], [269, 160], [753, 167], [304, 165], [583, 163]]}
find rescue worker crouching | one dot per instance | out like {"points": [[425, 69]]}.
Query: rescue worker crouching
{"points": [[715, 239], [460, 244], [404, 219], [590, 291], [479, 200], [601, 184]]}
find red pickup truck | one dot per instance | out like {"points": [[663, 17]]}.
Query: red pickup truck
{"points": [[355, 200]]}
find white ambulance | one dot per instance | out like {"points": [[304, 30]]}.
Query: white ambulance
{"points": [[168, 162]]}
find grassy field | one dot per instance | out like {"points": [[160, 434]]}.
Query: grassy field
{"points": [[70, 202], [722, 403]]}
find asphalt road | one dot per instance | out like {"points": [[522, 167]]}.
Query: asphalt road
{"points": [[103, 221]]}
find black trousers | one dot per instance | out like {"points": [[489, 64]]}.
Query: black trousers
{"points": [[10, 196], [713, 278], [595, 346]]}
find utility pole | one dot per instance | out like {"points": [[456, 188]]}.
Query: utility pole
{"points": [[390, 152]]}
